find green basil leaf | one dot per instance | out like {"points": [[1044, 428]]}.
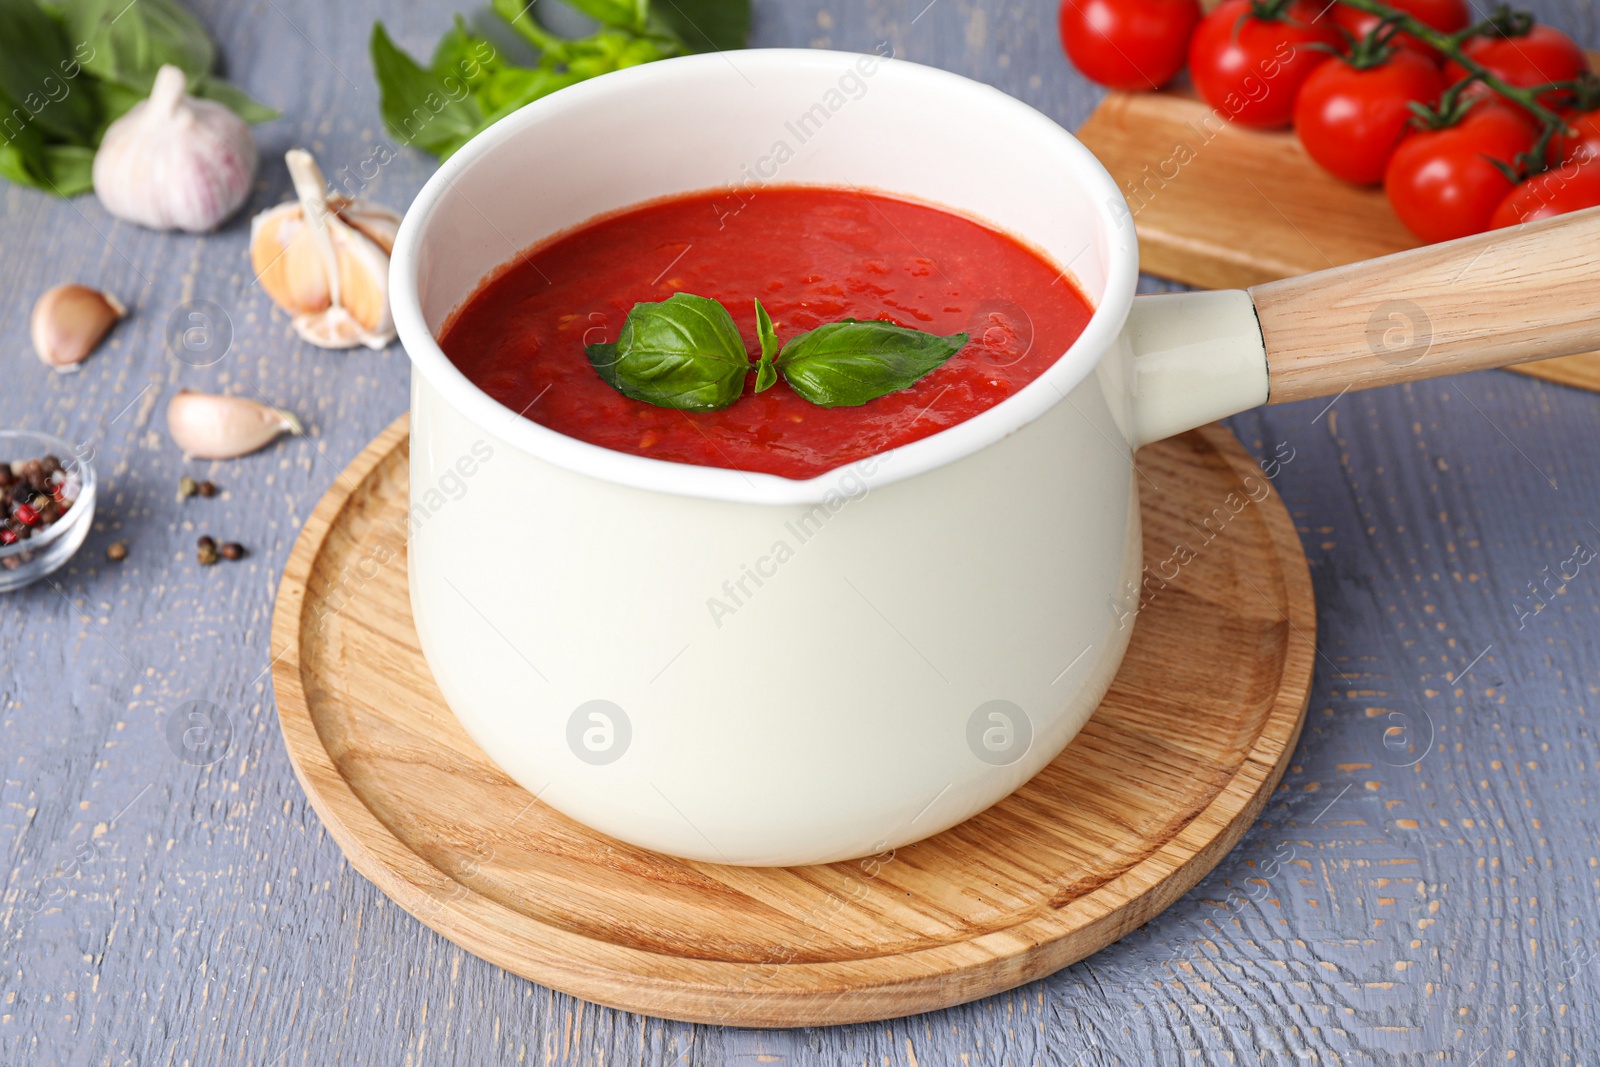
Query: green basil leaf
{"points": [[418, 107], [40, 74], [118, 99], [766, 373], [14, 166], [603, 358], [684, 352], [519, 13], [71, 168], [623, 14], [513, 87], [22, 152], [129, 42], [845, 364], [466, 57], [704, 25]]}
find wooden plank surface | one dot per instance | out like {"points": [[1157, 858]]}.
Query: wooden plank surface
{"points": [[158, 912]]}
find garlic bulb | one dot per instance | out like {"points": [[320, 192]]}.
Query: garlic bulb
{"points": [[206, 426], [68, 323], [325, 260], [175, 162]]}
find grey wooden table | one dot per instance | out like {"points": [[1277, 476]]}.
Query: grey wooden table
{"points": [[1441, 910]]}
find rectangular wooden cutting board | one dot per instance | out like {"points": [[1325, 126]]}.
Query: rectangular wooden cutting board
{"points": [[1220, 206]]}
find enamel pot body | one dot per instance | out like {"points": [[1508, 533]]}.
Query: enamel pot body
{"points": [[741, 668]]}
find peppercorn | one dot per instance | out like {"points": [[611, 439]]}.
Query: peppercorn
{"points": [[187, 488], [117, 551], [207, 551], [232, 550], [207, 489]]}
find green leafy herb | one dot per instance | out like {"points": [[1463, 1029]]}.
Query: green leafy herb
{"points": [[845, 364], [417, 104], [123, 45], [706, 25], [766, 373], [68, 69], [684, 352], [34, 73], [468, 85]]}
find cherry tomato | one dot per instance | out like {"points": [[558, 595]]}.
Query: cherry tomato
{"points": [[1441, 182], [1569, 187], [1542, 55], [1446, 16], [1582, 143], [1350, 120], [1251, 67], [1128, 44]]}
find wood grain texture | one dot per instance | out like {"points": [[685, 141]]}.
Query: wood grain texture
{"points": [[1174, 765], [1491, 300], [1220, 206], [155, 912]]}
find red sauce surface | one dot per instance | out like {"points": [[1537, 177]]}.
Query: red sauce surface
{"points": [[813, 255]]}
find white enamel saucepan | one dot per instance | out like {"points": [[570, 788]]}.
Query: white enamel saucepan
{"points": [[947, 615]]}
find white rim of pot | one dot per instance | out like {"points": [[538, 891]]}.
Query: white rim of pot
{"points": [[719, 483]]}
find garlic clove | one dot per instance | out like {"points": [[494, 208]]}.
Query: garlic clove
{"points": [[325, 260], [207, 426], [333, 328], [363, 281], [69, 322], [287, 261], [175, 162]]}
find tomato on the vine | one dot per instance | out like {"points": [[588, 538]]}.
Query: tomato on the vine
{"points": [[1536, 57], [1444, 183], [1249, 58], [1446, 16], [1128, 44], [1571, 187], [1580, 141], [1350, 117]]}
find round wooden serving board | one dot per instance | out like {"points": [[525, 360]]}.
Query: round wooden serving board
{"points": [[1161, 783]]}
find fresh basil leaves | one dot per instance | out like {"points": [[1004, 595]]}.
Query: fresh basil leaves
{"points": [[68, 69], [685, 352], [469, 84], [845, 364]]}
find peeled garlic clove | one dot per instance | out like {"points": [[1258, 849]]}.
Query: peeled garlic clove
{"points": [[175, 162], [68, 323], [325, 260], [206, 426]]}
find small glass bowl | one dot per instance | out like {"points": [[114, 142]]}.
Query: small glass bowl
{"points": [[28, 561]]}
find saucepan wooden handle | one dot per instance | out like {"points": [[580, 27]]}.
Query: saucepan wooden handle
{"points": [[1499, 298]]}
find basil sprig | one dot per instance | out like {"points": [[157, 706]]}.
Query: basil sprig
{"points": [[685, 352], [504, 59]]}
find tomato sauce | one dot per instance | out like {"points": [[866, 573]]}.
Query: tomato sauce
{"points": [[813, 255]]}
